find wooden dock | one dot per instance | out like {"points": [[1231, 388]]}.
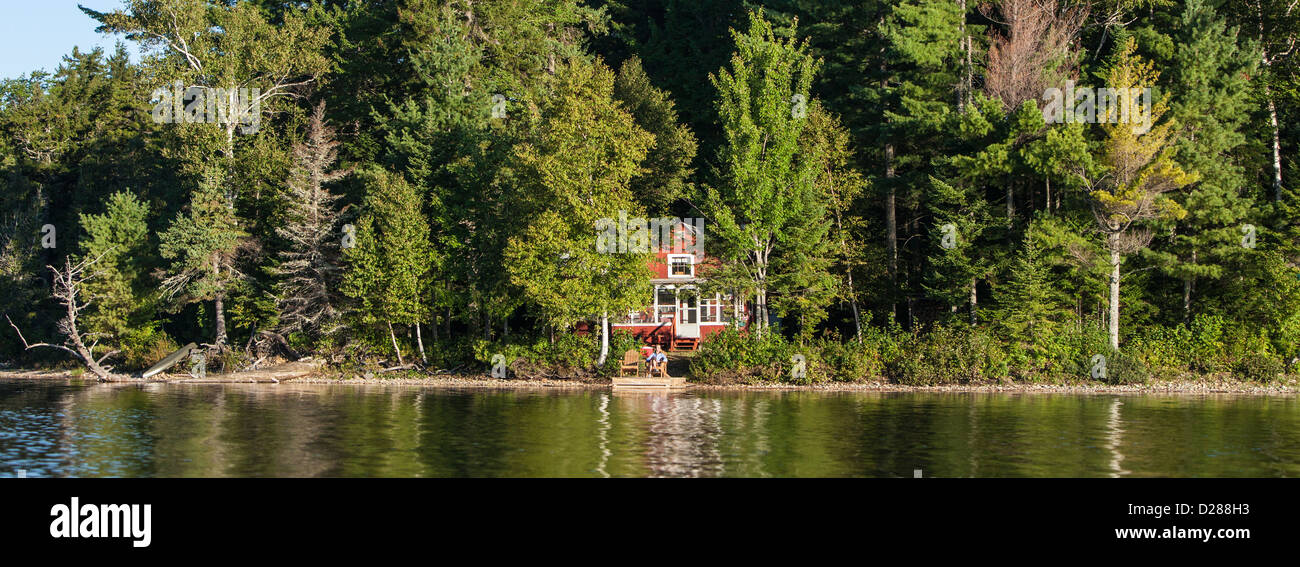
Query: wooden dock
{"points": [[649, 383]]}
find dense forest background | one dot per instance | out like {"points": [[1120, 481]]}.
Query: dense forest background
{"points": [[876, 174]]}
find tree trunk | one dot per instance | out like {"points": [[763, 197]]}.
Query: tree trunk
{"points": [[1277, 146], [419, 340], [1114, 299], [853, 302], [393, 336], [974, 299], [219, 305], [604, 339], [891, 225], [964, 99], [1187, 293], [1011, 204]]}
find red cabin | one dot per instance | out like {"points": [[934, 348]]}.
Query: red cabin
{"points": [[679, 316]]}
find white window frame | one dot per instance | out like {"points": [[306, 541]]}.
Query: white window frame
{"points": [[714, 308], [690, 259], [657, 305]]}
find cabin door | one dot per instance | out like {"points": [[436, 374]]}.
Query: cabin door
{"points": [[688, 314]]}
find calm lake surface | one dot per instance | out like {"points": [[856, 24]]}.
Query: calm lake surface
{"points": [[72, 429]]}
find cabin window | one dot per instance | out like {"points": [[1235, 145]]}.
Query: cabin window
{"points": [[726, 309], [665, 302], [681, 265], [709, 307]]}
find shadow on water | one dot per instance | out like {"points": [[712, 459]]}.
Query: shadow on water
{"points": [[73, 429]]}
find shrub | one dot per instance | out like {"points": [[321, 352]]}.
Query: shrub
{"points": [[945, 355], [1069, 353], [1125, 368], [1258, 367], [735, 355], [145, 346], [620, 341], [852, 361]]}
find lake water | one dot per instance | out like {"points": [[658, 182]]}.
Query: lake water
{"points": [[73, 429]]}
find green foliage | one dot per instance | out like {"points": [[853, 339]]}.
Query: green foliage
{"points": [[143, 347], [569, 353], [950, 354], [1126, 369], [1031, 310], [734, 355], [387, 266], [201, 244], [120, 295], [469, 224], [574, 172], [769, 213], [1258, 368], [667, 166]]}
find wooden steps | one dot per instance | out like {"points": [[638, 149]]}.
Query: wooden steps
{"points": [[683, 343]]}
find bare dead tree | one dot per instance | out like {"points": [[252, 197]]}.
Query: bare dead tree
{"points": [[66, 290], [1033, 52], [311, 262]]}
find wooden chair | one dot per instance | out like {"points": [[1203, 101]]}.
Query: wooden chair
{"points": [[631, 361]]}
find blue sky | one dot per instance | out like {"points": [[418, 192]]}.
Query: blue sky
{"points": [[36, 34]]}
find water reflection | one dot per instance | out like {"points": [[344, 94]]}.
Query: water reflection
{"points": [[683, 433], [72, 429]]}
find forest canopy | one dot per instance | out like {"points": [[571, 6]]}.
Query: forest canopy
{"points": [[879, 182]]}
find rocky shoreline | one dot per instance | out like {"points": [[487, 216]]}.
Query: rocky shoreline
{"points": [[1205, 385]]}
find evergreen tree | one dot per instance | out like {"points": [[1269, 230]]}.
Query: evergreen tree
{"points": [[120, 296], [201, 244], [1210, 74], [387, 268], [1030, 311]]}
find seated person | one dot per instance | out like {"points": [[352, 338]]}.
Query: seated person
{"points": [[656, 361]]}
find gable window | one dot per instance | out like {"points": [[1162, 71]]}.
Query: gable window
{"points": [[681, 265]]}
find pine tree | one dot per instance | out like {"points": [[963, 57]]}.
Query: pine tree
{"points": [[201, 245], [1210, 72], [120, 294], [918, 90], [1030, 310]]}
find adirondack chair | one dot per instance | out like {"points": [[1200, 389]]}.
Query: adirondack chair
{"points": [[631, 361]]}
